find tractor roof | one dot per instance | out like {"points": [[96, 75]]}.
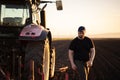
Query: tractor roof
{"points": [[13, 2]]}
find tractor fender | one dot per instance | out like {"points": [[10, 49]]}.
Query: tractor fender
{"points": [[33, 32], [44, 35]]}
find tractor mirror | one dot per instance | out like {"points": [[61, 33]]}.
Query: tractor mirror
{"points": [[59, 5]]}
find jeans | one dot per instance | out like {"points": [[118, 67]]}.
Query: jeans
{"points": [[82, 70]]}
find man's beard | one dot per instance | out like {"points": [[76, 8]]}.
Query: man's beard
{"points": [[81, 37]]}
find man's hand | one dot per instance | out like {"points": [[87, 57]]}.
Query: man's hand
{"points": [[89, 63], [74, 67], [70, 54]]}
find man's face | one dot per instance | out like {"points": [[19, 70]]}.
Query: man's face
{"points": [[81, 34]]}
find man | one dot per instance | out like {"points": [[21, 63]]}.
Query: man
{"points": [[81, 54]]}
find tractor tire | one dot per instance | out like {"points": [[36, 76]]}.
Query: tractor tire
{"points": [[39, 52], [52, 63], [33, 52], [46, 60]]}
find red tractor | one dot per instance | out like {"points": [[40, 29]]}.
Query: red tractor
{"points": [[26, 51]]}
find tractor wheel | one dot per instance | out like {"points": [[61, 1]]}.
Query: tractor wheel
{"points": [[34, 52], [52, 63], [46, 60]]}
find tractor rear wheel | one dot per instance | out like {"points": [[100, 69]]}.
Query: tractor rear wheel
{"points": [[52, 63], [33, 52], [46, 60], [39, 52]]}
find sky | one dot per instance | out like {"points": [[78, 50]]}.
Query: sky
{"points": [[98, 16]]}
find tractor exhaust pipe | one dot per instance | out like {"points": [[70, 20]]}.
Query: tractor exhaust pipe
{"points": [[43, 18]]}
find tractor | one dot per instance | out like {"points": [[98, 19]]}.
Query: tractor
{"points": [[26, 51]]}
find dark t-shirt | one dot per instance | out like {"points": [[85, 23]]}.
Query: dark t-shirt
{"points": [[81, 48]]}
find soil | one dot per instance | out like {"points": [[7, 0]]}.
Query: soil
{"points": [[106, 63]]}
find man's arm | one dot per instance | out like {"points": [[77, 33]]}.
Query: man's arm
{"points": [[92, 56], [70, 55]]}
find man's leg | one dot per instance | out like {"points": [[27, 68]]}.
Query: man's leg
{"points": [[81, 70]]}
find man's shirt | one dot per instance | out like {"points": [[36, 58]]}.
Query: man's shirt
{"points": [[81, 48]]}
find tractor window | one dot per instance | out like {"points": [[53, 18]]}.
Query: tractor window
{"points": [[13, 15]]}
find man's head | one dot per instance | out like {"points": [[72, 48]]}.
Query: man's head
{"points": [[81, 32]]}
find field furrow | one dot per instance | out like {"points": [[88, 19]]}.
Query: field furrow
{"points": [[106, 64]]}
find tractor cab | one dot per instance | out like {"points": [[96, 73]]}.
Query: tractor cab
{"points": [[14, 13]]}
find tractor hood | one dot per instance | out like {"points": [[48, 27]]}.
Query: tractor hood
{"points": [[33, 32]]}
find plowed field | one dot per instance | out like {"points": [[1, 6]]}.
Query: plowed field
{"points": [[106, 64]]}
